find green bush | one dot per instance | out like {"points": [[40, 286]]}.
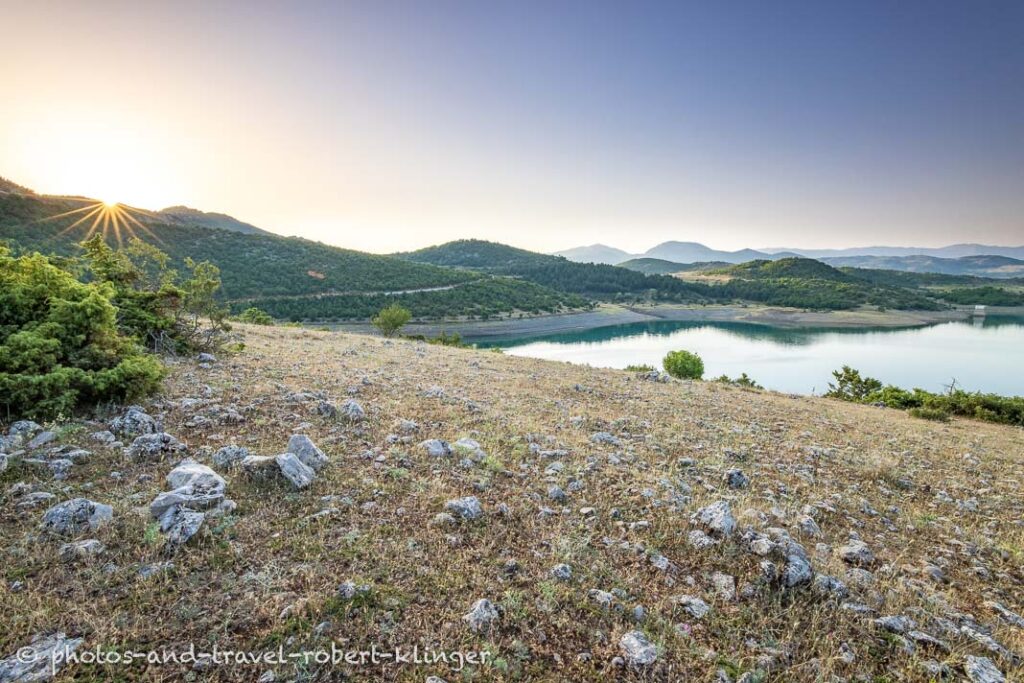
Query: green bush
{"points": [[161, 311], [743, 380], [391, 319], [60, 348], [851, 386], [929, 414], [255, 316], [639, 368], [683, 365]]}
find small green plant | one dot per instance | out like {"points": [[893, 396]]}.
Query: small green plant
{"points": [[742, 381], [255, 316], [639, 368], [391, 319], [683, 365]]}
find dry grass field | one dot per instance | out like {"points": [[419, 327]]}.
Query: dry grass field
{"points": [[599, 470]]}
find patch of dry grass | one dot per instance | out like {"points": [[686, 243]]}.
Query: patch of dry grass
{"points": [[267, 575]]}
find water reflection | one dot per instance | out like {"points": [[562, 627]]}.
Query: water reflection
{"points": [[978, 353]]}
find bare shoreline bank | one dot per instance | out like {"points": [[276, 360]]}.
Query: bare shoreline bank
{"points": [[607, 315]]}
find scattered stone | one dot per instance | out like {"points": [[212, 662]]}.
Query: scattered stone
{"points": [[351, 410], [808, 527], [637, 649], [465, 508], [922, 638], [700, 540], [895, 624], [306, 451], [735, 479], [326, 409], [604, 599], [134, 422], [482, 615], [605, 438], [155, 446], [716, 519], [229, 457], [80, 550], [23, 430], [830, 586], [982, 670], [693, 606], [206, 358], [1006, 615], [104, 437], [857, 553], [295, 470], [74, 516], [562, 572], [4, 460], [41, 439], [725, 585], [179, 524], [39, 660], [556, 494], [436, 448]]}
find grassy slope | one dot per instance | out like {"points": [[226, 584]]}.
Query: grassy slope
{"points": [[267, 575]]}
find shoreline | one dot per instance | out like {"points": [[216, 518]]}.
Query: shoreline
{"points": [[606, 315]]}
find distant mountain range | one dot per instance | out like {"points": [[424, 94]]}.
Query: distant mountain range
{"points": [[981, 266], [678, 252], [887, 257], [1001, 267]]}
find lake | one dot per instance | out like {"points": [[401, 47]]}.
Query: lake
{"points": [[982, 355]]}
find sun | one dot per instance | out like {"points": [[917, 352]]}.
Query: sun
{"points": [[110, 219]]}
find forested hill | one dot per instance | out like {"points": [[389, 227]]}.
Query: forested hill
{"points": [[589, 279], [289, 277]]}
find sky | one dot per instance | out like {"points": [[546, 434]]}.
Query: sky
{"points": [[386, 126]]}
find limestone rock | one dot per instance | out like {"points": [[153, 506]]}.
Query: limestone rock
{"points": [[482, 615], [133, 422], [74, 516], [716, 519], [306, 451], [295, 470], [38, 661], [465, 508], [637, 649], [155, 446]]}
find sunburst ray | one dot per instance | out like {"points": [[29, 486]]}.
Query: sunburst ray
{"points": [[113, 221]]}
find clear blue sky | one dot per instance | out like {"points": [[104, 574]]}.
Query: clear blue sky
{"points": [[388, 125]]}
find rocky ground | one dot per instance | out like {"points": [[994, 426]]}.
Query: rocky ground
{"points": [[573, 523]]}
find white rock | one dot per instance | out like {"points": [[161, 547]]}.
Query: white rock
{"points": [[482, 615], [295, 471], [716, 519], [637, 650], [982, 670], [305, 450]]}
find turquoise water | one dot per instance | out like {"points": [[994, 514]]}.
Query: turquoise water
{"points": [[983, 355]]}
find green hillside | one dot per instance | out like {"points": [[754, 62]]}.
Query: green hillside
{"points": [[803, 268], [609, 283], [289, 277], [657, 266]]}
